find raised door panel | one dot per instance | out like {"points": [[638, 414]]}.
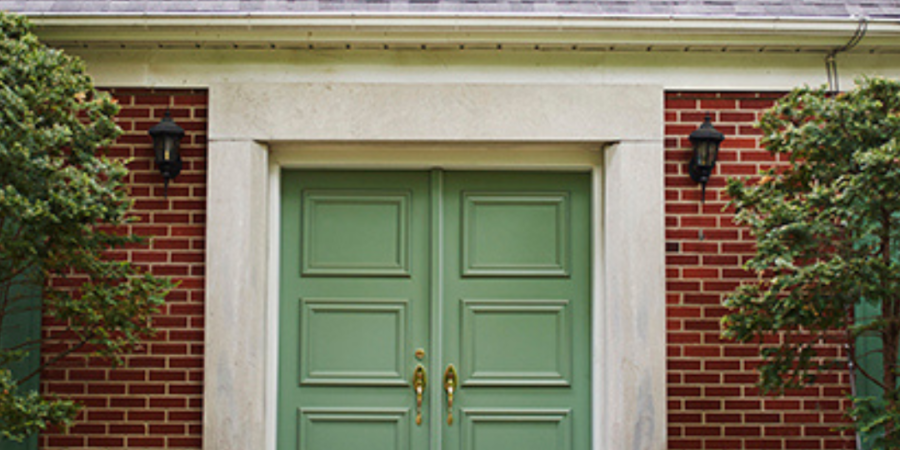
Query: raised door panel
{"points": [[353, 341], [515, 342], [522, 429], [349, 428], [520, 234], [356, 233]]}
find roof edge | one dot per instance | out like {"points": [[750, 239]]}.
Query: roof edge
{"points": [[444, 15], [462, 29]]}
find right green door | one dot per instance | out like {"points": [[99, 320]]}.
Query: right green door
{"points": [[516, 310], [497, 277]]}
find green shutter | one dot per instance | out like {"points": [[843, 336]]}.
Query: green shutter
{"points": [[22, 323], [869, 359]]}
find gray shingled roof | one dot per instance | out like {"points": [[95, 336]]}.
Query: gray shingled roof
{"points": [[874, 9]]}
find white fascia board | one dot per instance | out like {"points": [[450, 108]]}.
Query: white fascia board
{"points": [[399, 29]]}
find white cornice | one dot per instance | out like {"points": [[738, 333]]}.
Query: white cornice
{"points": [[435, 31]]}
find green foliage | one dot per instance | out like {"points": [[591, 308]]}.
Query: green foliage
{"points": [[872, 417], [24, 414], [62, 206], [827, 230]]}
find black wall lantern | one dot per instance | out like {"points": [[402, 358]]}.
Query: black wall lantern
{"points": [[705, 140], [166, 139]]}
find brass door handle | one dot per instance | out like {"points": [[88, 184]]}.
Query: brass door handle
{"points": [[420, 380], [450, 383]]}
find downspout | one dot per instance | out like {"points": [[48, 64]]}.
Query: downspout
{"points": [[834, 88], [831, 61], [851, 349]]}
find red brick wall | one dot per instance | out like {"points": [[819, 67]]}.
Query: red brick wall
{"points": [[713, 402], [155, 400]]}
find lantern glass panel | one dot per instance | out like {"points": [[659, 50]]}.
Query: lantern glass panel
{"points": [[706, 153], [165, 147], [170, 145]]}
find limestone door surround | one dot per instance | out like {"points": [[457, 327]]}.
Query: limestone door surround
{"points": [[613, 131]]}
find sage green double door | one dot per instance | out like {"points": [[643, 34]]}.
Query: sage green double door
{"points": [[385, 275]]}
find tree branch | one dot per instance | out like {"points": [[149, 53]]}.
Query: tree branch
{"points": [[52, 361]]}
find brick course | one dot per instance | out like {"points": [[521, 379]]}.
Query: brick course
{"points": [[155, 400], [712, 400]]}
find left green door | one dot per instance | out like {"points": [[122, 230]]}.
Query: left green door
{"points": [[354, 301]]}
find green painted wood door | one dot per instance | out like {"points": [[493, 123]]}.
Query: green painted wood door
{"points": [[384, 271]]}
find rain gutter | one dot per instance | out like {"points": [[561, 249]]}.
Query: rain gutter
{"points": [[437, 29]]}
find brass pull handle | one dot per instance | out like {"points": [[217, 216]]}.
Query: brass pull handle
{"points": [[450, 383], [420, 380]]}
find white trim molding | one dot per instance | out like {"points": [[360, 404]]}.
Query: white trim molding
{"points": [[628, 292], [433, 112], [236, 293], [165, 66]]}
